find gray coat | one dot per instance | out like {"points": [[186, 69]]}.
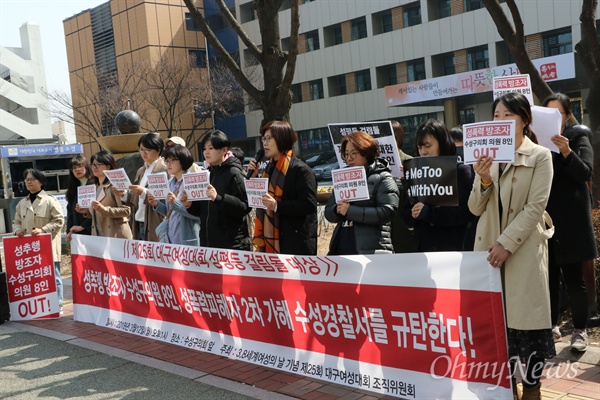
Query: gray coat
{"points": [[372, 218]]}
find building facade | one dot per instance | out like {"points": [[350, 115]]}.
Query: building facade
{"points": [[104, 46], [23, 101], [350, 51]]}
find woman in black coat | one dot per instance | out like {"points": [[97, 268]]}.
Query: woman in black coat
{"points": [[223, 218], [570, 206], [80, 174], [440, 228], [289, 223]]}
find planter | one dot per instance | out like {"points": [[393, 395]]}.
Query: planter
{"points": [[323, 198], [121, 144]]}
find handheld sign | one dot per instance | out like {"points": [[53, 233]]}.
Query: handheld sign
{"points": [[255, 188], [513, 84], [432, 180], [195, 184], [85, 195], [545, 123], [30, 277], [494, 139], [158, 185], [381, 131], [118, 178], [350, 184]]}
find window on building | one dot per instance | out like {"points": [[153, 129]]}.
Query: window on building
{"points": [[197, 58], [503, 54], [477, 58], [386, 75], [411, 14], [285, 44], [312, 40], [308, 1], [448, 64], [382, 22], [190, 23], [363, 80], [359, 28], [557, 42], [415, 70], [337, 85], [316, 89], [285, 5], [333, 35], [296, 93], [443, 9], [471, 5], [247, 12], [467, 116]]}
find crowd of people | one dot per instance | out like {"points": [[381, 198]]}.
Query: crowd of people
{"points": [[532, 216]]}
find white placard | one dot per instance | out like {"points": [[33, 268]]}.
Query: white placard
{"points": [[158, 185], [85, 195], [195, 184], [494, 139], [546, 122], [350, 184], [118, 178], [255, 188], [513, 84]]}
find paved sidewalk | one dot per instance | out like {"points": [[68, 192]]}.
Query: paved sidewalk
{"points": [[569, 376]]}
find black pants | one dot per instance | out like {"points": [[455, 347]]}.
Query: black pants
{"points": [[573, 278]]}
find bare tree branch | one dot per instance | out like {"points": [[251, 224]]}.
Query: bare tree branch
{"points": [[238, 29]]}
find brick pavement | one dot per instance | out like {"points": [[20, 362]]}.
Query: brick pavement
{"points": [[564, 379]]}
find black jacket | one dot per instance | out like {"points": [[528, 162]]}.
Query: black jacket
{"points": [[570, 202], [223, 222], [371, 218], [77, 219], [445, 228], [297, 210]]}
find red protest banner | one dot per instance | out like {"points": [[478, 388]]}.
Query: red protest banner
{"points": [[411, 325], [30, 277]]}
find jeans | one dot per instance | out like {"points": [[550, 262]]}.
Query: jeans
{"points": [[59, 284], [141, 230]]}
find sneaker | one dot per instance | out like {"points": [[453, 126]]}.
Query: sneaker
{"points": [[556, 333], [579, 340]]}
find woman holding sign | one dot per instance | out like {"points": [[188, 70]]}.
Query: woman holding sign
{"points": [[182, 227], [110, 217], [364, 226], [510, 200], [441, 228], [570, 206], [288, 223], [80, 174], [223, 217]]}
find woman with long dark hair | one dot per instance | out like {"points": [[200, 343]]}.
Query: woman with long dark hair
{"points": [[514, 229], [80, 174], [110, 217]]}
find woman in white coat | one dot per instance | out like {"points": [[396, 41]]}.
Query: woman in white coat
{"points": [[514, 229]]}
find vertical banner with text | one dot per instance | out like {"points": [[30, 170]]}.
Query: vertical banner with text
{"points": [[427, 325], [30, 277]]}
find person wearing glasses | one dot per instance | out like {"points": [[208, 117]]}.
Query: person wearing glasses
{"points": [[145, 219], [223, 218], [80, 174], [182, 227], [110, 217], [570, 206], [40, 213], [442, 228], [288, 224], [364, 226], [176, 140]]}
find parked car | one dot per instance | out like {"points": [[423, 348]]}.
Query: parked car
{"points": [[319, 158], [323, 171]]}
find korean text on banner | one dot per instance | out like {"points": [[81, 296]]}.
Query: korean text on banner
{"points": [[30, 277], [350, 184], [85, 195], [495, 139], [255, 188], [158, 185], [118, 178], [195, 185], [432, 180], [338, 319]]}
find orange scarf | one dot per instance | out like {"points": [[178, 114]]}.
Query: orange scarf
{"points": [[266, 225]]}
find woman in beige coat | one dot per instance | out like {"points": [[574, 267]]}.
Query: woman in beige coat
{"points": [[40, 213], [513, 228], [110, 217]]}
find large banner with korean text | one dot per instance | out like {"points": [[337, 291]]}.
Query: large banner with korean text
{"points": [[427, 325]]}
